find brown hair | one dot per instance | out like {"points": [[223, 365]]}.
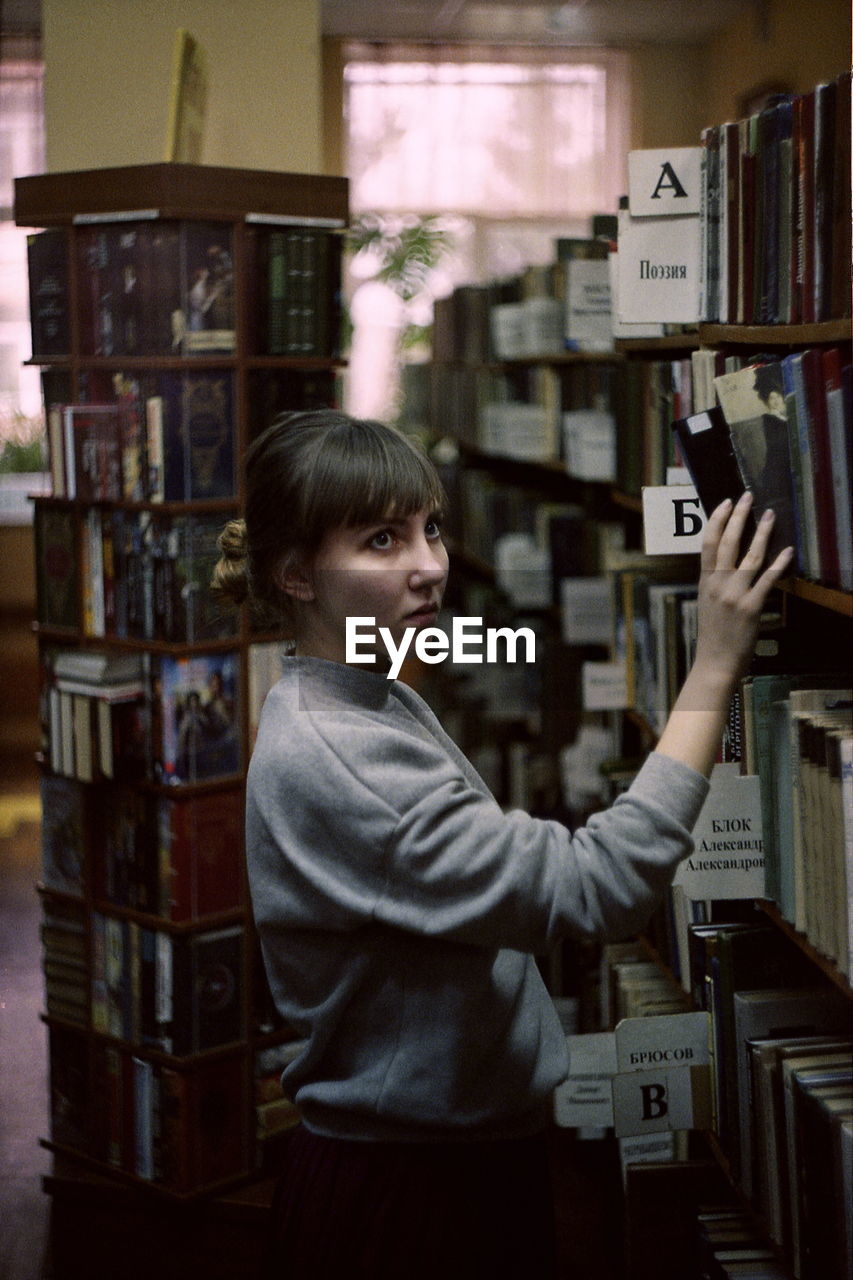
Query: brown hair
{"points": [[307, 474]]}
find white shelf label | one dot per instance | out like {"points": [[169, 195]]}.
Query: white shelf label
{"points": [[673, 520]]}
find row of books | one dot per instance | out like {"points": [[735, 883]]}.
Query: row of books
{"points": [[485, 509], [179, 993], [161, 287], [775, 1036], [769, 1021], [776, 210], [175, 721], [174, 1128], [777, 426], [782, 428], [165, 436], [730, 1243], [65, 961], [534, 413], [298, 290], [129, 574], [798, 740], [176, 858], [787, 726], [544, 310]]}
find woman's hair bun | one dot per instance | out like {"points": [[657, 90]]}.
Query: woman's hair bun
{"points": [[230, 576], [232, 540]]}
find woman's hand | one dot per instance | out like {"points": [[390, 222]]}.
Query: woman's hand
{"points": [[732, 595], [731, 598]]}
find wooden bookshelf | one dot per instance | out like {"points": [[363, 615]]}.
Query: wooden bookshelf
{"points": [[774, 335], [148, 912]]}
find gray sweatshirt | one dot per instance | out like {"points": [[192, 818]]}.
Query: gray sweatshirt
{"points": [[399, 908]]}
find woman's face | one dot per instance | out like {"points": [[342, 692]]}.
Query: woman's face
{"points": [[393, 571]]}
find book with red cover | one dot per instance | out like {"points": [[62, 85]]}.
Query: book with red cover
{"points": [[93, 452], [200, 847]]}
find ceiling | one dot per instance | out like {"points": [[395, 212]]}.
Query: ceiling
{"points": [[609, 22]]}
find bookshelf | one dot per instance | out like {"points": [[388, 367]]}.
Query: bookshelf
{"points": [[773, 967], [176, 310], [772, 971]]}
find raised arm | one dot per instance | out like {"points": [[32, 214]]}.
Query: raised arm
{"points": [[731, 598]]}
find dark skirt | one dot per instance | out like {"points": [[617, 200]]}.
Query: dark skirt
{"points": [[408, 1211]]}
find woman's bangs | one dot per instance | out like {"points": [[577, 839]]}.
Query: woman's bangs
{"points": [[371, 476]]}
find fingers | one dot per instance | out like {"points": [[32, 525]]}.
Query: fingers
{"points": [[757, 549], [774, 571], [713, 532], [730, 539]]}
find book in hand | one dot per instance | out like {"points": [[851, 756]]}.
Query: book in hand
{"points": [[753, 402], [708, 453]]}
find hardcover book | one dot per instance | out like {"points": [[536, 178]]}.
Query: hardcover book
{"points": [[56, 567], [753, 402], [706, 449], [64, 834], [197, 707], [184, 555], [198, 435], [206, 972], [47, 256]]}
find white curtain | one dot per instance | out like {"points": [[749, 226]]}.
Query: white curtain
{"points": [[21, 153], [513, 146]]}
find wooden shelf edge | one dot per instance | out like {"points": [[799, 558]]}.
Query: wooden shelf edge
{"points": [[111, 1180], [787, 335], [832, 598], [763, 335], [827, 967], [666, 342]]}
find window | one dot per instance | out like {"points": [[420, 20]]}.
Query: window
{"points": [[510, 148], [21, 153]]}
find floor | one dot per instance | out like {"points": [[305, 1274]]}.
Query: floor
{"points": [[588, 1195], [24, 1210]]}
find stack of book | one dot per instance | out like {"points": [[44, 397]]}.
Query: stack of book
{"points": [[777, 211]]}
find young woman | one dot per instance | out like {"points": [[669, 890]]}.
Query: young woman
{"points": [[399, 908]]}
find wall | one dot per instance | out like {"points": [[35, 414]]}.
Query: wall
{"points": [[783, 42], [108, 78], [668, 92]]}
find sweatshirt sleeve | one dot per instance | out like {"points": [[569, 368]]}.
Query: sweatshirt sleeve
{"points": [[458, 865], [387, 828]]}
